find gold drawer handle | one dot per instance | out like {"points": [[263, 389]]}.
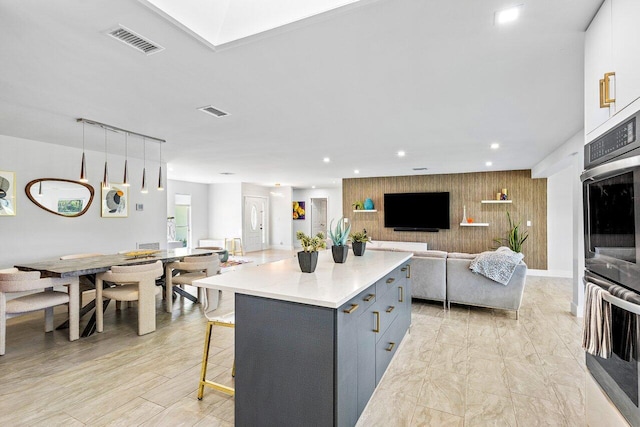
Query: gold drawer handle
{"points": [[408, 271], [403, 269], [377, 314], [369, 297], [602, 103], [390, 309], [390, 280], [401, 294], [353, 308], [607, 88], [391, 345]]}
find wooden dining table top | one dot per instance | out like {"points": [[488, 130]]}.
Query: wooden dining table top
{"points": [[102, 263]]}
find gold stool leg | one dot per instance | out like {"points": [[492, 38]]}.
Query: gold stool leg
{"points": [[205, 359]]}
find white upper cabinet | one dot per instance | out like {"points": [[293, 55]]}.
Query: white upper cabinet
{"points": [[597, 61], [626, 50], [612, 61]]}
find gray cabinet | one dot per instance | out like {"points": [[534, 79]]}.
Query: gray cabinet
{"points": [[299, 364]]}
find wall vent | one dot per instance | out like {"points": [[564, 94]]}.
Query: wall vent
{"points": [[134, 40], [210, 109]]}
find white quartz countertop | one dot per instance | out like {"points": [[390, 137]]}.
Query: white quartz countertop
{"points": [[331, 285]]}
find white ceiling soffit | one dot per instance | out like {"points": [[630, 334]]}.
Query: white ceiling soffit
{"points": [[135, 40], [220, 22]]}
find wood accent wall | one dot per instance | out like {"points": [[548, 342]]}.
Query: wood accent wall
{"points": [[466, 189]]}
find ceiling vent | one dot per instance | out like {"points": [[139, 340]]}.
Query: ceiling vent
{"points": [[134, 40], [210, 109]]}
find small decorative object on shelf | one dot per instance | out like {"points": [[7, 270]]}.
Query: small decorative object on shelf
{"points": [[359, 241], [498, 196], [339, 236], [368, 204], [308, 256], [469, 220], [503, 195], [464, 213], [358, 205]]}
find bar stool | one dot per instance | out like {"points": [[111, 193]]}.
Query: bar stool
{"points": [[227, 320], [235, 245]]}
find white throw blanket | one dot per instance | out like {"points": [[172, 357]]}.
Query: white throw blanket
{"points": [[497, 265], [596, 324]]}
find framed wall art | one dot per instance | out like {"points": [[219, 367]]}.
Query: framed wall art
{"points": [[115, 201], [298, 210], [7, 193]]}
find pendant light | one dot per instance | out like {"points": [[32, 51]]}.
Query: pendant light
{"points": [[83, 168], [144, 168], [125, 179], [105, 177], [160, 187]]}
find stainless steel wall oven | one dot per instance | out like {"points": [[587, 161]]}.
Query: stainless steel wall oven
{"points": [[611, 195]]}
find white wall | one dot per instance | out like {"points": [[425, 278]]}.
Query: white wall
{"points": [[199, 206], [34, 234], [280, 223], [225, 210], [334, 207], [560, 223]]}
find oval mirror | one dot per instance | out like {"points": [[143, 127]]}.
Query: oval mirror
{"points": [[60, 196]]}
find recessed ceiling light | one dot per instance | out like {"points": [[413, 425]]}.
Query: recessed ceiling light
{"points": [[401, 153], [508, 15], [170, 169], [489, 163], [495, 146], [215, 112], [356, 171], [227, 173], [326, 160]]}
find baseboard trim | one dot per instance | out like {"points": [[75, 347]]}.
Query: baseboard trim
{"points": [[550, 273]]}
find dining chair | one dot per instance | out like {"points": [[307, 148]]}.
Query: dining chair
{"points": [[131, 283], [228, 320], [40, 296], [189, 269]]}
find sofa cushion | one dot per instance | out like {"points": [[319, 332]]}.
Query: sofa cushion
{"points": [[430, 254], [497, 265], [461, 255]]}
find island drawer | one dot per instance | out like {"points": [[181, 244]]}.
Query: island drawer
{"points": [[385, 284], [386, 309], [387, 346], [360, 303]]}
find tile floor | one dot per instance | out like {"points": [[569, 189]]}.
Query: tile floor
{"points": [[464, 367]]}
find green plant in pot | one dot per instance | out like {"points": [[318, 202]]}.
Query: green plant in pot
{"points": [[359, 241], [515, 236], [308, 256], [339, 236]]}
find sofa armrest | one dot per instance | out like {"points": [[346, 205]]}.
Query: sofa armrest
{"points": [[428, 278]]}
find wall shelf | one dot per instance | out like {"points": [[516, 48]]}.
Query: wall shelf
{"points": [[365, 210], [496, 201], [474, 224]]}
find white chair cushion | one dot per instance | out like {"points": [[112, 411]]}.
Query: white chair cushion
{"points": [[187, 278], [124, 293], [229, 318], [37, 301]]}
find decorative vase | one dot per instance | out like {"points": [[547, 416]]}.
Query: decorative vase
{"points": [[368, 204], [308, 261], [339, 253], [358, 248]]}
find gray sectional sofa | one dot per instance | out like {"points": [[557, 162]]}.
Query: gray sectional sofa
{"points": [[446, 277]]}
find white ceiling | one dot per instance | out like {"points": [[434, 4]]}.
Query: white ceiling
{"points": [[433, 78]]}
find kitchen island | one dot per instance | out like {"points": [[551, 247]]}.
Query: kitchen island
{"points": [[310, 348]]}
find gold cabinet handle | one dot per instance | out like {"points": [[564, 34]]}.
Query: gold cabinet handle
{"points": [[401, 294], [602, 103], [377, 314], [369, 297], [391, 345], [353, 308], [403, 269], [607, 88], [390, 280], [408, 271], [390, 309]]}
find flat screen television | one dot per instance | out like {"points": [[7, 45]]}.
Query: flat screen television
{"points": [[417, 211]]}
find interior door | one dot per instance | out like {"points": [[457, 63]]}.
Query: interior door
{"points": [[255, 223], [318, 216]]}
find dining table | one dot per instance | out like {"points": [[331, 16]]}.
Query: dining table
{"points": [[89, 266]]}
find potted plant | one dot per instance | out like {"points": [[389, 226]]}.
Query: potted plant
{"points": [[339, 236], [308, 256], [515, 237], [359, 241]]}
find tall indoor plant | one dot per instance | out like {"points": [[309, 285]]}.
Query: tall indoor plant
{"points": [[339, 236], [308, 256], [359, 241], [515, 237]]}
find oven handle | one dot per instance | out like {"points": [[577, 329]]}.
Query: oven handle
{"points": [[618, 302], [612, 168]]}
